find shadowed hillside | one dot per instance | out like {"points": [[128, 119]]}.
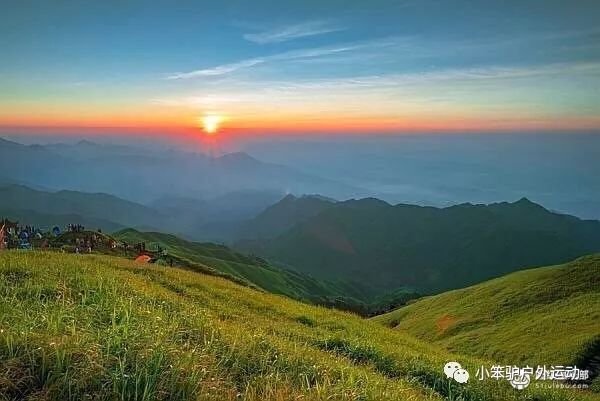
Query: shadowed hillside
{"points": [[249, 268], [379, 246], [282, 216], [253, 270]]}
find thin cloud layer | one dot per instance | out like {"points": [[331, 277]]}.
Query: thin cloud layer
{"points": [[302, 54], [295, 31]]}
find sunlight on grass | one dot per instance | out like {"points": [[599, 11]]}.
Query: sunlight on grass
{"points": [[77, 325]]}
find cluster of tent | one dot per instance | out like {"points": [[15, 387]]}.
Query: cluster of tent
{"points": [[75, 239], [12, 235]]}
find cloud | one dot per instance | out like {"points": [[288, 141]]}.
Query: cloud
{"points": [[218, 70], [413, 87], [302, 54], [291, 32], [462, 75], [399, 52]]}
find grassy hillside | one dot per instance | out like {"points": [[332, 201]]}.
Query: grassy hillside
{"points": [[548, 315], [78, 327], [251, 269], [382, 247]]}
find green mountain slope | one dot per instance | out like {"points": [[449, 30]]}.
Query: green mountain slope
{"points": [[253, 270], [282, 216], [78, 327], [548, 315], [380, 247]]}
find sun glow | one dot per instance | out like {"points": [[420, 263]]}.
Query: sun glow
{"points": [[211, 123]]}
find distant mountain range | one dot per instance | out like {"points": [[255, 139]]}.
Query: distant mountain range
{"points": [[145, 176], [216, 219], [94, 210], [379, 247], [367, 247]]}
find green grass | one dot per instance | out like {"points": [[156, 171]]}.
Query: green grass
{"points": [[253, 270], [548, 315], [75, 327]]}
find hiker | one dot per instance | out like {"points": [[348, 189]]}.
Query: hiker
{"points": [[24, 240]]}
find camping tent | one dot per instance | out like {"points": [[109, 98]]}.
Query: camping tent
{"points": [[143, 259]]}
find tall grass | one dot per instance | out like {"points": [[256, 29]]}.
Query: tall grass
{"points": [[76, 327]]}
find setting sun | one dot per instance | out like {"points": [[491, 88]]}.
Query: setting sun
{"points": [[211, 123]]}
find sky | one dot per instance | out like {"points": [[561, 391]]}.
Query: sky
{"points": [[277, 67]]}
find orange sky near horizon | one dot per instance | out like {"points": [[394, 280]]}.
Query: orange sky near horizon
{"points": [[293, 125], [71, 118]]}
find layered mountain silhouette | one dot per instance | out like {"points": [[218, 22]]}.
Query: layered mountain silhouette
{"points": [[215, 219], [146, 175], [94, 210]]}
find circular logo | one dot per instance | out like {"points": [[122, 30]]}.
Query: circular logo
{"points": [[520, 382]]}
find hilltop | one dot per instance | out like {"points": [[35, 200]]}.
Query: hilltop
{"points": [[378, 247], [548, 315], [78, 326]]}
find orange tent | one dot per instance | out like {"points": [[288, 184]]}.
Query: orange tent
{"points": [[143, 259]]}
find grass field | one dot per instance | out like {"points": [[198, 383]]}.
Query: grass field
{"points": [[220, 259], [76, 327], [224, 260], [548, 315]]}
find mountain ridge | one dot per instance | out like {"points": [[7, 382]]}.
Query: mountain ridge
{"points": [[143, 175], [427, 248]]}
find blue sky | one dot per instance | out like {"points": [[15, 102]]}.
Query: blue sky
{"points": [[381, 63]]}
